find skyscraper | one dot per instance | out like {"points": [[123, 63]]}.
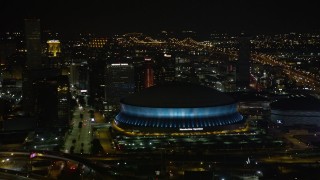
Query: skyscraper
{"points": [[119, 83], [53, 101], [63, 101], [32, 31], [144, 73], [148, 80], [96, 81], [165, 69], [33, 63], [243, 64]]}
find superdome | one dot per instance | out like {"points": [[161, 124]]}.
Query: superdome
{"points": [[176, 107], [302, 103], [296, 110], [178, 95]]}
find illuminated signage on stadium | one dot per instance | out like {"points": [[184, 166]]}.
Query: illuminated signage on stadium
{"points": [[191, 129]]}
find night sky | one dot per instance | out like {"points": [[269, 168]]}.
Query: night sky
{"points": [[120, 16]]}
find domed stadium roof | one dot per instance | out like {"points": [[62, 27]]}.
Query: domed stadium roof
{"points": [[178, 95], [297, 103]]}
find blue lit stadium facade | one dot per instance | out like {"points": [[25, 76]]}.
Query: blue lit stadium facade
{"points": [[177, 118], [176, 111]]}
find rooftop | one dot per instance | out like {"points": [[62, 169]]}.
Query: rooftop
{"points": [[302, 103], [178, 95]]}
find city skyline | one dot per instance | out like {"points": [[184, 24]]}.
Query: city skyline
{"points": [[142, 16], [162, 90]]}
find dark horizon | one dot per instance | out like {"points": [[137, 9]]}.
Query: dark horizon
{"points": [[204, 17]]}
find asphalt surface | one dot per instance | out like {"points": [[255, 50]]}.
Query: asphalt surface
{"points": [[79, 138]]}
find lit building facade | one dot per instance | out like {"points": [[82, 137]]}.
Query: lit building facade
{"points": [[119, 83], [149, 73], [177, 107], [54, 48], [63, 104], [144, 74], [97, 42]]}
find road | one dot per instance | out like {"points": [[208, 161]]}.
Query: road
{"points": [[302, 78], [79, 138], [103, 134], [235, 161]]}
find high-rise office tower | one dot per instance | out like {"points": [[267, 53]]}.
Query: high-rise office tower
{"points": [[119, 83], [63, 103], [33, 63], [139, 76], [7, 48], [74, 74], [46, 93], [243, 64], [148, 80], [32, 32], [144, 73], [53, 101], [165, 69], [96, 81]]}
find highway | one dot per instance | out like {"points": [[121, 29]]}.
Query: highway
{"points": [[304, 78], [235, 161], [301, 77], [48, 165]]}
